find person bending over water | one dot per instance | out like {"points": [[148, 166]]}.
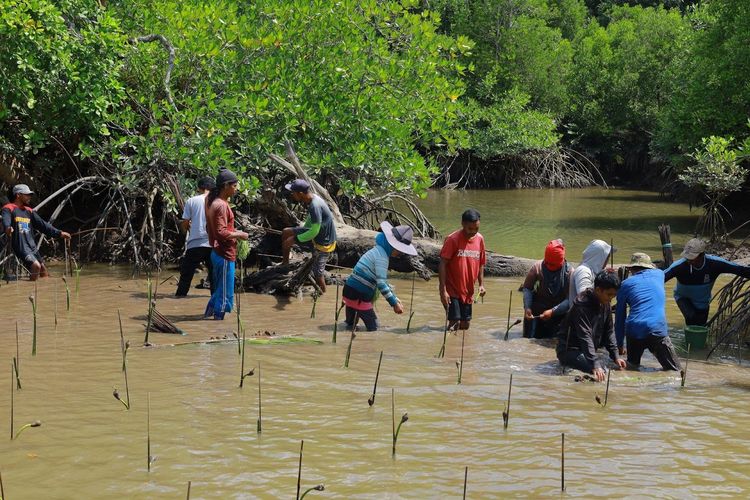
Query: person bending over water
{"points": [[545, 293], [588, 326], [370, 274]]}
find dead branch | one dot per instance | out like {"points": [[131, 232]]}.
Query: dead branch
{"points": [[170, 61]]}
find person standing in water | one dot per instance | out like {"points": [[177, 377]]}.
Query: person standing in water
{"points": [[197, 247], [223, 239], [19, 220], [318, 229], [696, 273], [462, 260], [370, 276], [594, 260], [589, 326], [545, 292]]}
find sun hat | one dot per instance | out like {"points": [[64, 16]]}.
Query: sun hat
{"points": [[22, 189], [693, 248], [640, 259], [298, 186], [399, 237]]}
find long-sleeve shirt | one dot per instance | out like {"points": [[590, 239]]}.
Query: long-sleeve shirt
{"points": [[371, 272], [695, 283], [587, 327], [643, 293], [538, 297], [220, 226], [23, 220]]}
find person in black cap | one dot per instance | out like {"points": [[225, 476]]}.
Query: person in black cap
{"points": [[318, 229], [197, 247], [18, 220], [222, 236], [370, 273]]}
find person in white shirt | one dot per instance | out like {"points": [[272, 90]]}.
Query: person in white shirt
{"points": [[197, 248]]}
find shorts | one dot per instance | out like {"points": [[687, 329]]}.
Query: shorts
{"points": [[458, 311], [319, 264], [30, 258]]}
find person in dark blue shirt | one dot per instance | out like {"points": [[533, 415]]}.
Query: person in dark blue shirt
{"points": [[696, 274], [645, 324]]}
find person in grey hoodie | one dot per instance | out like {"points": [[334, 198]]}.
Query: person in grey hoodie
{"points": [[594, 259]]}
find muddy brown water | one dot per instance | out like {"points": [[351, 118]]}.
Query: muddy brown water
{"points": [[654, 438]]}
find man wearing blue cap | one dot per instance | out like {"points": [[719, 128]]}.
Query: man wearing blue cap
{"points": [[19, 219], [318, 229]]}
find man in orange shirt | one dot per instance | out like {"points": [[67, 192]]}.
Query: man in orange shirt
{"points": [[462, 262]]}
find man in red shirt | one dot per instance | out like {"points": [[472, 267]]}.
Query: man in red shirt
{"points": [[222, 236], [462, 262]]}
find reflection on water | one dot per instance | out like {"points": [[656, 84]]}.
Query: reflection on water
{"points": [[522, 221], [653, 438]]}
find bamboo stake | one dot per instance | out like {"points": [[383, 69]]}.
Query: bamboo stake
{"points": [[683, 373], [351, 339], [337, 310], [510, 303], [33, 338], [242, 364], [606, 391], [260, 409], [2, 488], [299, 470], [506, 413], [18, 355], [148, 433], [150, 309], [411, 302], [371, 401], [562, 463], [466, 479], [188, 491], [55, 305], [67, 294], [441, 352], [461, 364], [12, 406]]}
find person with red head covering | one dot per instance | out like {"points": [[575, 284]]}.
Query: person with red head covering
{"points": [[545, 292]]}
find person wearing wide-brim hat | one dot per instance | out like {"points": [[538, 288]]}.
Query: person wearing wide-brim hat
{"points": [[641, 316], [370, 276], [19, 221], [696, 272]]}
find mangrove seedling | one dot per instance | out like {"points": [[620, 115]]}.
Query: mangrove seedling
{"points": [[18, 376], [124, 346], [116, 395], [260, 409], [506, 413], [188, 491], [562, 463], [315, 296], [67, 294], [77, 272], [55, 305], [23, 428], [319, 487], [411, 303], [441, 352], [371, 401], [404, 418], [507, 331], [12, 403], [510, 303], [461, 363], [683, 373], [33, 338], [351, 339], [299, 469], [598, 399]]}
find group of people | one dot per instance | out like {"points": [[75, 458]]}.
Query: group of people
{"points": [[570, 303]]}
